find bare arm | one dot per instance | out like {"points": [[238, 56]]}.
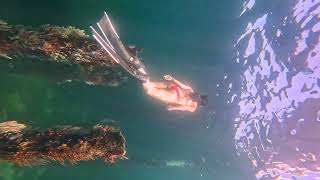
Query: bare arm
{"points": [[178, 83], [181, 85]]}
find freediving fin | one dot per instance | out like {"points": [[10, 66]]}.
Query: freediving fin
{"points": [[109, 39], [106, 27], [134, 50]]}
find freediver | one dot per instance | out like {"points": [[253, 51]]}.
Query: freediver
{"points": [[175, 94]]}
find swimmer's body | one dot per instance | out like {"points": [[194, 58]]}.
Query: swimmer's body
{"points": [[175, 94]]}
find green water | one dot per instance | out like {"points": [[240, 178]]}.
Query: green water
{"points": [[190, 39]]}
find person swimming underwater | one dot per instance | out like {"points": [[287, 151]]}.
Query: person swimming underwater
{"points": [[177, 95]]}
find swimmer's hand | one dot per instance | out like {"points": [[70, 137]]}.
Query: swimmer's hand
{"points": [[168, 77], [181, 85]]}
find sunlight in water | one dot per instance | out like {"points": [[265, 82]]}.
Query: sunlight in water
{"points": [[278, 120]]}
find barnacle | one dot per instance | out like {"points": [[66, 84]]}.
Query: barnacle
{"points": [[66, 45], [64, 144]]}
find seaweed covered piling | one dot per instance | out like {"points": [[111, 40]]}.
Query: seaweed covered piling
{"points": [[66, 45], [27, 146]]}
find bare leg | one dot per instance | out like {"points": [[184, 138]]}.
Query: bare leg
{"points": [[152, 87], [160, 85]]}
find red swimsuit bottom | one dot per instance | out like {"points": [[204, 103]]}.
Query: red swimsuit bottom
{"points": [[175, 88]]}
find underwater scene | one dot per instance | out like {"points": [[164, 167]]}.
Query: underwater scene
{"points": [[190, 90]]}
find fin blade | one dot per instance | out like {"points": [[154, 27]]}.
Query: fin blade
{"points": [[110, 41], [104, 45], [105, 36], [115, 32]]}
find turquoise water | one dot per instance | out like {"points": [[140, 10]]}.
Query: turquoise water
{"points": [[192, 40]]}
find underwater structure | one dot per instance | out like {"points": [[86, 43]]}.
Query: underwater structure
{"points": [[26, 146], [65, 45]]}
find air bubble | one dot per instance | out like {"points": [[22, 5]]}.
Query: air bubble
{"points": [[318, 116], [293, 132]]}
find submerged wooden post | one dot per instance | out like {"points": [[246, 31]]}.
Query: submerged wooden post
{"points": [[26, 146], [66, 45]]}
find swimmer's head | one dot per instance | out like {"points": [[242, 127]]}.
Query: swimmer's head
{"points": [[202, 100]]}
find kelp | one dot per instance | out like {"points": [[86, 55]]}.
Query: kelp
{"points": [[26, 146], [66, 45]]}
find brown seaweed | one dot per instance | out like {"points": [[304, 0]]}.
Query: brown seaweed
{"points": [[27, 146], [66, 45]]}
